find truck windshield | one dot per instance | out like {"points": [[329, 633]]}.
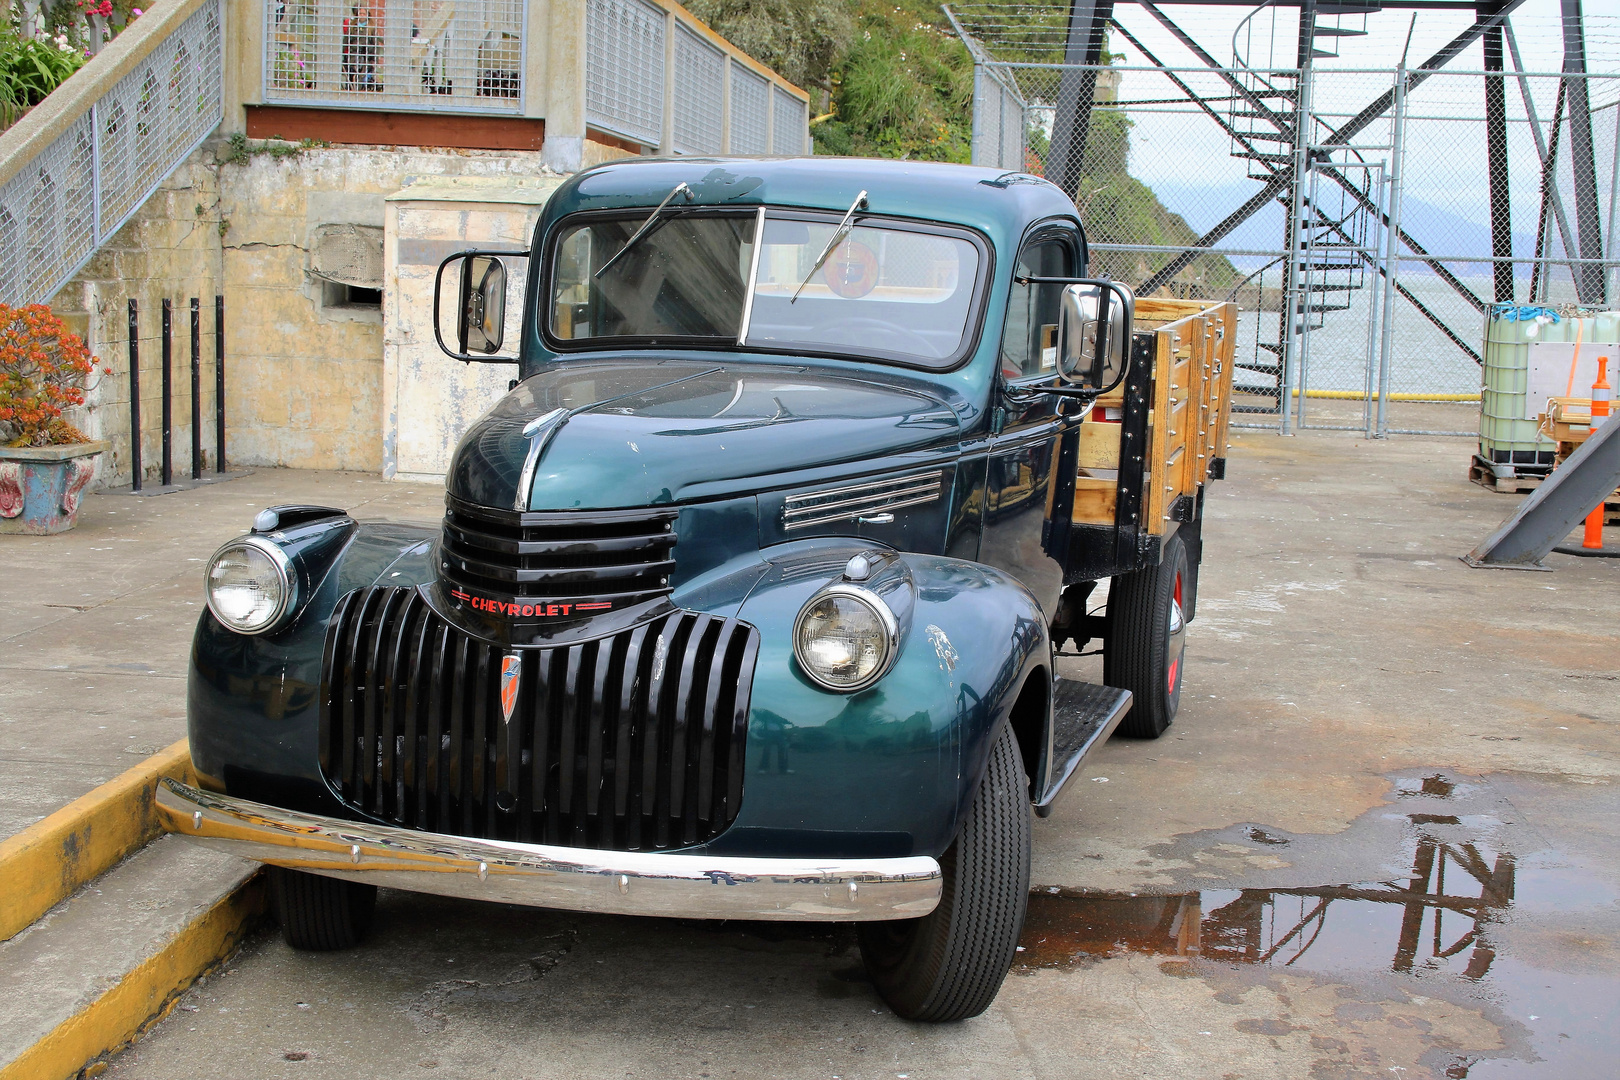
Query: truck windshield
{"points": [[684, 279], [884, 293]]}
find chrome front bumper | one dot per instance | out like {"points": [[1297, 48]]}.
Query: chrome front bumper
{"points": [[573, 879]]}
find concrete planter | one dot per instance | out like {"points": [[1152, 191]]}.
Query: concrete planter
{"points": [[40, 486]]}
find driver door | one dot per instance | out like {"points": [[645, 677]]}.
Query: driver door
{"points": [[1021, 490]]}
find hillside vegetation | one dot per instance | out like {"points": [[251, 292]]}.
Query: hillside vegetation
{"points": [[889, 78]]}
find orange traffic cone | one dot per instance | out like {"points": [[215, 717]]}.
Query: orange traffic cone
{"points": [[1602, 394]]}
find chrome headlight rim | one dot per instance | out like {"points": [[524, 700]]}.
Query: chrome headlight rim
{"points": [[284, 570], [886, 617]]}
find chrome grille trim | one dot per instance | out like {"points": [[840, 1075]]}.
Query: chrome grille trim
{"points": [[852, 501]]}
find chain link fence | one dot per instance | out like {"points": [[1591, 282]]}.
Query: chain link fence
{"points": [[1184, 176]]}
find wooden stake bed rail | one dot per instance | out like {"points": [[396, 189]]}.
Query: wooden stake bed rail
{"points": [[1190, 412]]}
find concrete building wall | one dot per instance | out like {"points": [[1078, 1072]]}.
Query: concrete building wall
{"points": [[303, 363]]}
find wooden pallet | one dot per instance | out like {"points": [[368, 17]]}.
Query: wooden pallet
{"points": [[1481, 473]]}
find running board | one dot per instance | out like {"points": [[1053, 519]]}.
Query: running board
{"points": [[1083, 716]]}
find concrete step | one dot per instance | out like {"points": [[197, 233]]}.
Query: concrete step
{"points": [[104, 964]]}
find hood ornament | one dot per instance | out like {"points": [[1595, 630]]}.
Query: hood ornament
{"points": [[511, 679]]}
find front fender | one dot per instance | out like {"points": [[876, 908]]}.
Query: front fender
{"points": [[252, 702], [889, 770]]}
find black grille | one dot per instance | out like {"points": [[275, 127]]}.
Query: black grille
{"points": [[630, 742], [617, 556]]}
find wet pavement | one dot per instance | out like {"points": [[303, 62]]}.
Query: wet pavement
{"points": [[1381, 840]]}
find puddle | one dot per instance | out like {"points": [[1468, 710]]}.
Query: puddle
{"points": [[1529, 936]]}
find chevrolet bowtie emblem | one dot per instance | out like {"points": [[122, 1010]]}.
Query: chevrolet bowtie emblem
{"points": [[511, 676]]}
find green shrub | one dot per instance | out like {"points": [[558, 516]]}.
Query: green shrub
{"points": [[29, 70]]}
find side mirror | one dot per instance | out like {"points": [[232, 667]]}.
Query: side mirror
{"points": [[481, 309], [480, 305], [1094, 333]]}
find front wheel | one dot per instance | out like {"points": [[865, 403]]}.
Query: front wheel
{"points": [[321, 914], [1147, 641], [949, 964]]}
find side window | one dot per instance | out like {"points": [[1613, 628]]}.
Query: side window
{"points": [[1029, 342]]}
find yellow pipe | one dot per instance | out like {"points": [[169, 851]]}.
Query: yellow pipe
{"points": [[1359, 395]]}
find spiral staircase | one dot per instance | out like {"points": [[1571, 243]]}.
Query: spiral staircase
{"points": [[1272, 58]]}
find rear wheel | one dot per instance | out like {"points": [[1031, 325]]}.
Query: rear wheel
{"points": [[321, 914], [949, 964], [1147, 641]]}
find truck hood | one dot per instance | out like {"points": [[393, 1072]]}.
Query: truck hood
{"points": [[620, 432]]}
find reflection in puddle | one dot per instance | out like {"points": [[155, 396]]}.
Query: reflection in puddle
{"points": [[1438, 919], [1484, 914]]}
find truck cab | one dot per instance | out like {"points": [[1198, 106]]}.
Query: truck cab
{"points": [[747, 596]]}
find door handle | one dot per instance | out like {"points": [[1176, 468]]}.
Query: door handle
{"points": [[876, 519]]}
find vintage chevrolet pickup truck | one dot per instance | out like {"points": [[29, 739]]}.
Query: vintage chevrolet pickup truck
{"points": [[747, 595]]}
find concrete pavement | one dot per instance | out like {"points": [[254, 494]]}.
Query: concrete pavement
{"points": [[97, 624], [1379, 840]]}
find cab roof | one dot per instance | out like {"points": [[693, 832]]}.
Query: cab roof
{"points": [[997, 203]]}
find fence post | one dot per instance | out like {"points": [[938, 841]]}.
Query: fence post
{"points": [[196, 390], [135, 466], [219, 384], [1294, 293], [1392, 245], [168, 393]]}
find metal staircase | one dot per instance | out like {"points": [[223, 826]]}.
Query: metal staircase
{"points": [[1273, 69]]}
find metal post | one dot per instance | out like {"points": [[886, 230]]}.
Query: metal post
{"points": [[1293, 293], [1392, 246], [219, 384], [1373, 252], [196, 390], [1614, 200], [1589, 278], [1309, 264], [134, 399], [167, 475], [1496, 155]]}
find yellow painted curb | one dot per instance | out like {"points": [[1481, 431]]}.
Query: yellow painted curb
{"points": [[48, 861], [147, 994]]}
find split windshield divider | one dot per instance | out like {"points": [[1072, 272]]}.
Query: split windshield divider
{"points": [[753, 275]]}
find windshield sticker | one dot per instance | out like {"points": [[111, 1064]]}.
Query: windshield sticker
{"points": [[852, 272]]}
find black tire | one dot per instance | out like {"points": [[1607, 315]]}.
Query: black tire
{"points": [[949, 964], [321, 914], [1146, 648]]}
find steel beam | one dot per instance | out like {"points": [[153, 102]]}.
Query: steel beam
{"points": [[1496, 158], [1551, 511], [1589, 276], [1077, 91]]}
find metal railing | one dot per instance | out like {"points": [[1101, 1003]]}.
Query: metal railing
{"points": [[396, 54], [79, 165], [656, 76]]}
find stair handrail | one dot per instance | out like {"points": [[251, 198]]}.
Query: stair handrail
{"points": [[54, 120]]}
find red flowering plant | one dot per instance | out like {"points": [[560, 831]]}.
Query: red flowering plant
{"points": [[44, 369]]}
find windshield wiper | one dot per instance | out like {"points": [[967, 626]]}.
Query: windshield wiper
{"points": [[647, 226], [837, 238]]}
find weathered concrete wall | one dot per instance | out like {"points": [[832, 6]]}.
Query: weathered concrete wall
{"points": [[430, 399], [303, 360]]}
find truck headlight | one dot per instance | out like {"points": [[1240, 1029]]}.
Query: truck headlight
{"points": [[845, 638], [250, 585]]}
